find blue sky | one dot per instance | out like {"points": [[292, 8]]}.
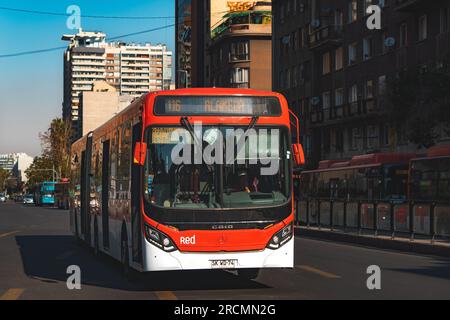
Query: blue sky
{"points": [[31, 86]]}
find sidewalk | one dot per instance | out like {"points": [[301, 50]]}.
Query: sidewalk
{"points": [[382, 241]]}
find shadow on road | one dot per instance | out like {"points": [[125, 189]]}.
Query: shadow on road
{"points": [[46, 258], [439, 269]]}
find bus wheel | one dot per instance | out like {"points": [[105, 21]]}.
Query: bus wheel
{"points": [[126, 269], [249, 274]]}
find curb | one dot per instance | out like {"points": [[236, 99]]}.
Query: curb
{"points": [[376, 242]]}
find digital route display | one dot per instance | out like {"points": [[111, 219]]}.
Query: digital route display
{"points": [[217, 105]]}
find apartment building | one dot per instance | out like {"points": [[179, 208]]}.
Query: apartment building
{"points": [[334, 70], [224, 43], [133, 69]]}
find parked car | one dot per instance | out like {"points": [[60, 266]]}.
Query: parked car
{"points": [[2, 197], [28, 199], [18, 198]]}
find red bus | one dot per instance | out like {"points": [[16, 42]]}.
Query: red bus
{"points": [[430, 175], [133, 199], [378, 176], [62, 194]]}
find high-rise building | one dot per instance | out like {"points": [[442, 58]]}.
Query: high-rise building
{"points": [[133, 69], [190, 42], [335, 71], [224, 44], [16, 163]]}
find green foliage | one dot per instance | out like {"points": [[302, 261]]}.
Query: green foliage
{"points": [[39, 171], [419, 102], [55, 144], [4, 174]]}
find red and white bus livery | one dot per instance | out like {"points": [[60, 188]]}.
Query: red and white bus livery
{"points": [[131, 199]]}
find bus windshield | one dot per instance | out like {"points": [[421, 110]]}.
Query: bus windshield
{"points": [[209, 168]]}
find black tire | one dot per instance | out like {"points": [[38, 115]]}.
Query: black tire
{"points": [[248, 274], [127, 271]]}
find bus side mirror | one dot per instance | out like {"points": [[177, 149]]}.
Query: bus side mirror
{"points": [[299, 155], [140, 150]]}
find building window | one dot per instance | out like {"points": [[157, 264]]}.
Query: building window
{"points": [[403, 35], [368, 89], [423, 28], [288, 78], [353, 94], [367, 3], [326, 100], [355, 135], [240, 77], [338, 20], [384, 135], [239, 51], [367, 48], [326, 63], [339, 58], [339, 141], [352, 11], [352, 53], [382, 85], [444, 20], [294, 76], [339, 97], [295, 40], [372, 136]]}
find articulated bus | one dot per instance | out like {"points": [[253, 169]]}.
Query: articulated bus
{"points": [[429, 178], [176, 182], [377, 176]]}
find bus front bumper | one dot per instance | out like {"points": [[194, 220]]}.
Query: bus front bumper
{"points": [[156, 259]]}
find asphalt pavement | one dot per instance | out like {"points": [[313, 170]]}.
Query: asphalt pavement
{"points": [[36, 248]]}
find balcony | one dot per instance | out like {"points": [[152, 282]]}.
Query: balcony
{"points": [[410, 5], [325, 37], [316, 116], [247, 22], [241, 57]]}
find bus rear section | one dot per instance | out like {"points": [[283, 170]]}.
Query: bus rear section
{"points": [[45, 194], [210, 184]]}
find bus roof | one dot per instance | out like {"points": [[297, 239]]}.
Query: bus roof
{"points": [[216, 91], [363, 161]]}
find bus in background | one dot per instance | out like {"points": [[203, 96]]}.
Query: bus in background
{"points": [[429, 176], [131, 200], [378, 176], [45, 193], [62, 194]]}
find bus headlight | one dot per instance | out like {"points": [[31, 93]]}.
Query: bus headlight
{"points": [[281, 237], [159, 239]]}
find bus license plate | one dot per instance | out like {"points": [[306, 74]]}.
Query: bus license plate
{"points": [[224, 264]]}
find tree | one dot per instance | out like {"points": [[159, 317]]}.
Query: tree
{"points": [[419, 101], [56, 145], [4, 174], [39, 171]]}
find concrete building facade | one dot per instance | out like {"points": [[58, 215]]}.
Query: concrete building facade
{"points": [[16, 163], [133, 69], [334, 70], [99, 105], [224, 43]]}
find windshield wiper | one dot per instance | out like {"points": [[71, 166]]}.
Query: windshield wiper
{"points": [[251, 125]]}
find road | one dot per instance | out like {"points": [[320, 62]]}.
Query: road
{"points": [[36, 248]]}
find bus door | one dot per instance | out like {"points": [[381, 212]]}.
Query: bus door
{"points": [[136, 183], [85, 189], [105, 193]]}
